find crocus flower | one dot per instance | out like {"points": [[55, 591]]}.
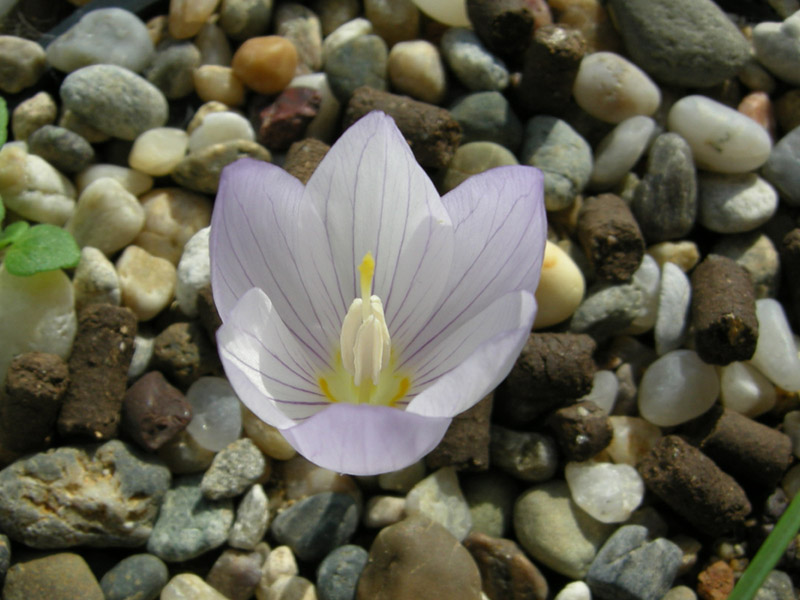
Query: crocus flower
{"points": [[362, 311]]}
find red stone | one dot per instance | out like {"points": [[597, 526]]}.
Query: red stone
{"points": [[285, 120]]}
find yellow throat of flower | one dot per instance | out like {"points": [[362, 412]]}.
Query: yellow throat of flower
{"points": [[364, 368]]}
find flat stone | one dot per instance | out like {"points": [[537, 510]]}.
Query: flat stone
{"points": [[140, 576], [62, 576]]}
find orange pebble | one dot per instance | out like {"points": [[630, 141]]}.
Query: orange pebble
{"points": [[265, 64]]}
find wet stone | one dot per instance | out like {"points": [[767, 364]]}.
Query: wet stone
{"points": [[140, 577], [487, 116], [153, 411], [338, 573], [285, 120], [233, 470], [184, 353], [526, 455], [57, 577], [581, 430], [465, 446], [361, 61], [65, 150]]}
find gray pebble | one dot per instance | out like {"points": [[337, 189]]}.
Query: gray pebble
{"points": [[631, 567], [243, 19], [200, 171], [338, 573], [734, 203], [233, 470], [30, 114], [776, 47], [172, 69], [756, 253], [64, 149], [316, 525], [777, 586], [474, 66], [252, 519], [473, 158], [674, 298], [490, 497], [189, 524], [137, 577], [781, 167], [526, 455], [562, 154], [359, 61], [665, 200], [606, 309], [114, 100], [487, 116], [688, 43]]}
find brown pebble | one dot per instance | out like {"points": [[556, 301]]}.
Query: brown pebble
{"points": [[465, 446], [581, 430], [505, 26], [694, 486], [304, 156], [431, 131], [58, 576], [715, 582], [610, 237], [153, 411], [790, 270], [207, 312], [723, 311], [98, 367], [506, 573], [553, 370], [265, 64], [35, 386], [184, 353], [285, 120], [758, 107]]}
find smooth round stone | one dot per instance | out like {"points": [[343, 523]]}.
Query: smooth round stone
{"points": [[756, 253], [647, 278], [612, 89], [252, 519], [683, 253], [676, 388], [158, 151], [95, 92], [141, 576], [439, 498], [23, 62], [95, 280], [562, 154], [447, 12], [324, 125], [200, 171], [561, 287], [721, 138], [38, 315], [780, 169], [382, 511], [135, 182], [343, 34], [37, 111], [147, 282], [606, 310], [104, 35], [265, 64], [735, 203], [301, 26], [674, 298], [106, 217], [218, 83], [632, 438], [777, 47], [303, 478], [475, 157], [608, 492], [215, 49], [575, 590], [186, 17], [487, 116], [188, 586], [172, 69], [620, 150], [395, 21], [60, 576], [338, 573], [234, 469], [64, 149], [474, 66], [416, 69], [605, 386], [359, 61], [243, 19], [744, 389], [776, 352], [269, 439], [82, 126], [220, 127], [182, 454], [194, 272], [555, 532], [216, 416], [33, 189]]}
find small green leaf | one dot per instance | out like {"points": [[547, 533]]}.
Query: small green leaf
{"points": [[12, 233], [42, 248], [3, 123]]}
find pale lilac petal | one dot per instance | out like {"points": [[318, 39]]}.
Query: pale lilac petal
{"points": [[372, 196], [474, 358], [500, 229], [362, 439], [270, 370], [258, 223]]}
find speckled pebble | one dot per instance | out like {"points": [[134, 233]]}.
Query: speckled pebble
{"points": [[37, 111], [64, 149], [338, 573], [606, 310], [137, 577], [472, 63], [734, 203], [359, 61], [252, 519], [233, 470], [61, 576]]}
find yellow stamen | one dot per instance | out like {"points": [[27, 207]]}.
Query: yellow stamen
{"points": [[367, 271]]}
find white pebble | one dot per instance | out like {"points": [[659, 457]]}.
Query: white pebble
{"points": [[135, 182], [220, 127], [722, 139], [776, 353], [604, 390], [791, 427], [252, 519], [280, 563], [561, 287], [744, 389], [382, 511], [158, 151], [621, 149], [448, 12], [439, 498], [647, 279], [734, 203], [676, 388], [632, 438], [95, 280], [147, 282], [612, 89], [216, 415], [416, 69], [674, 298], [608, 492], [291, 587], [188, 586], [194, 272], [323, 125], [575, 590], [142, 355]]}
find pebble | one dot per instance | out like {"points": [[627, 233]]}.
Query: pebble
{"points": [[216, 420], [381, 511], [252, 519], [487, 116], [613, 89], [188, 586], [344, 33], [665, 200], [607, 309], [220, 127], [759, 107], [525, 455], [777, 47], [280, 562], [183, 455], [779, 168], [104, 35], [473, 158], [139, 576], [620, 150], [135, 182], [791, 427], [243, 19], [682, 253], [234, 469], [93, 93], [465, 445], [680, 592], [608, 492], [447, 12], [303, 478], [491, 498], [630, 566], [439, 498], [33, 189], [735, 203], [776, 354], [677, 388], [30, 114], [147, 282], [791, 482], [184, 353], [561, 287], [172, 69], [648, 279], [82, 126], [338, 573], [236, 574], [301, 26], [473, 65], [215, 49], [186, 17], [564, 157], [172, 217], [24, 62], [286, 119], [189, 524], [360, 61], [605, 386], [154, 412], [555, 532], [106, 496], [581, 429], [200, 171], [787, 110], [633, 437], [402, 480], [218, 83], [193, 273], [415, 68], [674, 299], [292, 588], [142, 355], [323, 125], [690, 43], [60, 576], [744, 389], [756, 253], [158, 151], [95, 280], [395, 21], [265, 64], [418, 558], [575, 590], [106, 217], [64, 149], [269, 439]]}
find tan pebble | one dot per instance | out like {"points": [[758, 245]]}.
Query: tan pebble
{"points": [[147, 282], [715, 582], [633, 437], [561, 287], [268, 439], [394, 20], [158, 28], [265, 64], [157, 151], [415, 68], [218, 83], [24, 62], [186, 17], [189, 585], [758, 107], [292, 587], [280, 563], [592, 20], [135, 182], [683, 253], [33, 113], [209, 107]]}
